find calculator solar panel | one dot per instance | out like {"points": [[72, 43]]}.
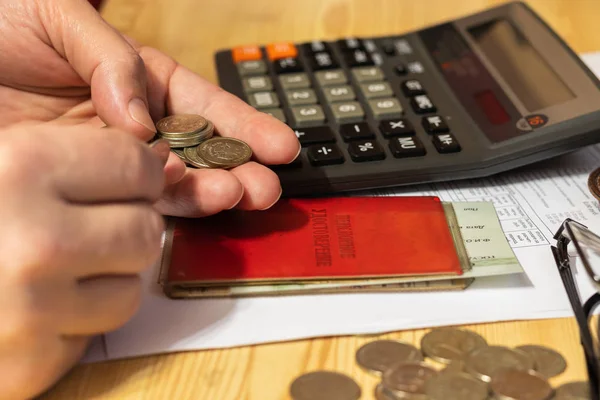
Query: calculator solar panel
{"points": [[467, 98]]}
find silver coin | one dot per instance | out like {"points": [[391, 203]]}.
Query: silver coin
{"points": [[548, 362], [380, 355], [324, 385], [486, 361], [456, 386], [449, 344]]}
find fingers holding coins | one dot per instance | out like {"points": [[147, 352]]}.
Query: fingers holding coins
{"points": [[192, 138]]}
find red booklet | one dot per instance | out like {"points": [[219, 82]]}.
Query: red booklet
{"points": [[314, 239]]}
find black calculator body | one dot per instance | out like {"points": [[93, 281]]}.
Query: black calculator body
{"points": [[464, 99]]}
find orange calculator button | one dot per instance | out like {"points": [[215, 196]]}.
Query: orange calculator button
{"points": [[246, 53], [276, 51]]}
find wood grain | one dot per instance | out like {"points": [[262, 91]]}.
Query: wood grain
{"points": [[191, 31]]}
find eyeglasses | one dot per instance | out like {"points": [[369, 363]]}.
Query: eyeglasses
{"points": [[587, 246]]}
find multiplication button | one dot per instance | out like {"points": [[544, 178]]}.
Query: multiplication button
{"points": [[331, 77], [408, 146], [365, 150], [347, 111], [326, 154], [396, 127], [307, 115], [385, 108]]}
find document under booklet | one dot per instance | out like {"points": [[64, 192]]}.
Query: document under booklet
{"points": [[334, 245]]}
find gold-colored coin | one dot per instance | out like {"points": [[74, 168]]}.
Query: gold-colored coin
{"points": [[594, 183], [324, 385], [181, 124], [450, 344], [456, 386], [179, 153], [484, 362], [380, 355], [381, 393], [222, 152], [192, 157], [407, 380], [573, 391], [548, 362], [512, 384]]}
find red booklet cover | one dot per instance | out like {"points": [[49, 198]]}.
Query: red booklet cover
{"points": [[315, 238]]}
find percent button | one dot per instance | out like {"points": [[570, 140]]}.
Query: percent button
{"points": [[365, 150]]}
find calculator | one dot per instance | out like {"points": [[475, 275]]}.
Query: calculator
{"points": [[463, 99]]}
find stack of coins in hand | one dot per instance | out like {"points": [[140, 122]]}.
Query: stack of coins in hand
{"points": [[192, 138], [471, 369]]}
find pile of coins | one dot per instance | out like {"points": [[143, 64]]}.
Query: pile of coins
{"points": [[192, 138], [472, 370]]}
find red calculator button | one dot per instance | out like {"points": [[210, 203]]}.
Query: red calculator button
{"points": [[246, 53], [276, 51]]}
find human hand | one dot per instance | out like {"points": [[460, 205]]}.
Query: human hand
{"points": [[63, 63], [78, 225]]}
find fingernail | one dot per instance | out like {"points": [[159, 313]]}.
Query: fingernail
{"points": [[139, 113], [273, 203], [297, 154], [162, 149]]}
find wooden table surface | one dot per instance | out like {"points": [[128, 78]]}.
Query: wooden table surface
{"points": [[190, 31]]}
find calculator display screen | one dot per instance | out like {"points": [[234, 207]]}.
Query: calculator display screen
{"points": [[520, 65]]}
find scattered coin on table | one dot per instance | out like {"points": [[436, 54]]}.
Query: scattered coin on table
{"points": [[192, 138], [471, 369]]}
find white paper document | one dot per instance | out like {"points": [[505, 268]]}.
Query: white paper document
{"points": [[531, 203]]}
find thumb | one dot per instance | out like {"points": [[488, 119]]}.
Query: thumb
{"points": [[105, 60]]}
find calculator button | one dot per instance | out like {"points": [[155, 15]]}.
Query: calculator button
{"points": [[365, 150], [415, 67], [385, 108], [358, 58], [247, 68], [446, 143], [323, 60], [407, 147], [350, 44], [347, 111], [298, 97], [319, 134], [294, 81], [378, 89], [396, 127], [264, 100], [403, 47], [332, 77], [275, 112], [400, 69], [369, 45], [305, 115], [359, 130], [377, 59], [257, 84], [422, 104], [316, 46], [276, 51], [324, 155], [287, 65], [339, 93], [435, 124], [246, 53], [389, 49], [412, 87], [368, 74]]}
